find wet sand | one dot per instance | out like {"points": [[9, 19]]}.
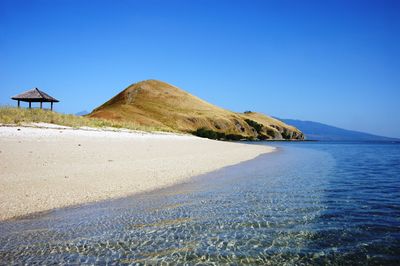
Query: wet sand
{"points": [[46, 168]]}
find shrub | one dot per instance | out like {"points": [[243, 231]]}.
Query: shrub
{"points": [[211, 134], [262, 137], [258, 127], [234, 137], [207, 133], [271, 133], [286, 134]]}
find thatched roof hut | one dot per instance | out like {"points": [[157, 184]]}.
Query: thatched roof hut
{"points": [[35, 95]]}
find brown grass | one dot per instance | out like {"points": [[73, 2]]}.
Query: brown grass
{"points": [[156, 103], [18, 116]]}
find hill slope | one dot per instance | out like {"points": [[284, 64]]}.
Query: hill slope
{"points": [[319, 131], [158, 104]]}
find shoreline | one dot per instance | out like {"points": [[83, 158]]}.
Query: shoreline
{"points": [[45, 167]]}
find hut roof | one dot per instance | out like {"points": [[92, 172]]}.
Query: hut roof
{"points": [[34, 95]]}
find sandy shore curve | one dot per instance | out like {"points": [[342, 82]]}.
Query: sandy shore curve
{"points": [[47, 167]]}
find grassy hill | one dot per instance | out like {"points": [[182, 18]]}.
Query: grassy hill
{"points": [[157, 104]]}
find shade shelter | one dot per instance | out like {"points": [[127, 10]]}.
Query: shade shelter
{"points": [[35, 95]]}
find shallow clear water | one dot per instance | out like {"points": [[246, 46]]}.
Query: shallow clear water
{"points": [[309, 203]]}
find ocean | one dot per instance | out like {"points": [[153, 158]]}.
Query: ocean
{"points": [[309, 203]]}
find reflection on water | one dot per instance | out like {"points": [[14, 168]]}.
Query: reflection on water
{"points": [[312, 204]]}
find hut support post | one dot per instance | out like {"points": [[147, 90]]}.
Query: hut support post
{"points": [[51, 106], [40, 105], [30, 105], [18, 104]]}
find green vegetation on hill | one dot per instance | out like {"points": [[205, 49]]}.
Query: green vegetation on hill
{"points": [[211, 134], [258, 127]]}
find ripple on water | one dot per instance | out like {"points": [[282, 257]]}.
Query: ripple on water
{"points": [[318, 204]]}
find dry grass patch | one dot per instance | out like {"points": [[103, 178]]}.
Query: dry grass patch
{"points": [[18, 116]]}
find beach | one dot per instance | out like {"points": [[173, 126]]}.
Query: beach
{"points": [[44, 167]]}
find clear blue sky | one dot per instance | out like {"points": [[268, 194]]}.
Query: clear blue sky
{"points": [[336, 62]]}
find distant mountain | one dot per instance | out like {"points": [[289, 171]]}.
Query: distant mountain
{"points": [[81, 113], [160, 105], [319, 131]]}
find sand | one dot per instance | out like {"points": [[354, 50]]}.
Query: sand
{"points": [[46, 167]]}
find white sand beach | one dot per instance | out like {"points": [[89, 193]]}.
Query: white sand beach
{"points": [[46, 167]]}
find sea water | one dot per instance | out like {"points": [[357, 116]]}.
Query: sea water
{"points": [[306, 204]]}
